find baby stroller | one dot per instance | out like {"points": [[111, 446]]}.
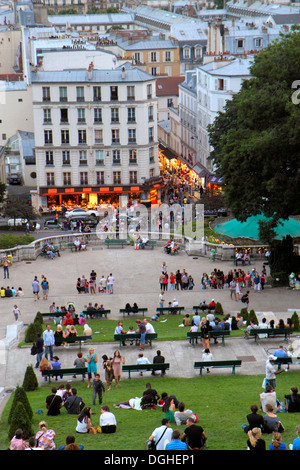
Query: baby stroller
{"points": [[71, 309]]}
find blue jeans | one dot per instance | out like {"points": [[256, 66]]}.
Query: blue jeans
{"points": [[38, 359], [6, 272], [49, 349]]}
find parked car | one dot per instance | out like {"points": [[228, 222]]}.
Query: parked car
{"points": [[19, 222], [14, 178], [52, 224], [81, 211], [85, 220]]}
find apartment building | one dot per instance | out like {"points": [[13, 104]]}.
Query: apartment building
{"points": [[95, 136]]}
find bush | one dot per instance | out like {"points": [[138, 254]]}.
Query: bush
{"points": [[219, 309], [279, 279], [295, 321], [30, 382], [253, 317], [20, 397], [245, 314], [39, 318], [20, 420], [31, 333], [10, 241]]}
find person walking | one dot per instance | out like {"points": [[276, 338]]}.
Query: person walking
{"points": [[36, 288], [5, 265]]}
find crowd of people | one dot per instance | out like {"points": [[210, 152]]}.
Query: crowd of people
{"points": [[90, 285], [178, 280], [236, 279]]}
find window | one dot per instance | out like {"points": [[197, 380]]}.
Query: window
{"points": [[49, 158], [114, 93], [65, 138], [98, 115], [116, 157], [63, 97], [117, 177], [186, 53], [46, 93], [220, 84], [137, 57], [115, 136], [168, 56], [81, 136], [151, 155], [131, 136], [149, 91], [150, 113], [84, 177], [50, 179], [240, 43], [133, 177], [81, 115], [99, 177], [64, 115], [153, 56], [132, 156], [97, 93], [150, 134], [47, 116], [114, 114], [82, 157], [98, 136], [66, 157], [48, 139], [130, 93], [170, 103], [198, 52], [153, 71], [258, 42], [99, 157], [67, 179], [80, 93], [151, 172], [131, 114]]}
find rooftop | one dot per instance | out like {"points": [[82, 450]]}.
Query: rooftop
{"points": [[168, 86]]}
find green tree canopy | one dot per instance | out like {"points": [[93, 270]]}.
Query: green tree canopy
{"points": [[256, 140]]}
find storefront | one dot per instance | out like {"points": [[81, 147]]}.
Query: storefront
{"points": [[174, 169], [214, 185], [90, 198]]}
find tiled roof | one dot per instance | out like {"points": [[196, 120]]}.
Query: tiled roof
{"points": [[168, 86]]}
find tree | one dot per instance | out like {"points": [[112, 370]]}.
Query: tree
{"points": [[20, 420], [20, 396], [16, 208], [256, 139], [30, 382]]}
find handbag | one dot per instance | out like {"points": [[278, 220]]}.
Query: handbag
{"points": [[151, 445]]}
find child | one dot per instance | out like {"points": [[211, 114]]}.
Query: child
{"points": [[207, 356], [98, 388], [79, 362], [131, 330]]}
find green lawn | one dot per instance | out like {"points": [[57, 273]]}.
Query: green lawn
{"points": [[221, 403]]}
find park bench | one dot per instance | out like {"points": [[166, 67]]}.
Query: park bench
{"points": [[115, 242], [150, 244], [122, 337], [170, 310], [218, 364], [286, 361], [96, 313], [60, 372], [271, 332], [204, 308], [145, 367], [71, 246], [138, 310], [241, 260], [72, 340], [53, 315], [192, 335]]}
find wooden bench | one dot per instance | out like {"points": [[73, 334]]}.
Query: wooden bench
{"points": [[53, 314], [218, 364], [96, 313], [241, 260], [71, 246], [145, 367], [192, 335], [170, 310], [138, 310], [204, 308], [60, 372], [72, 340], [115, 242], [271, 332], [150, 244], [122, 337]]}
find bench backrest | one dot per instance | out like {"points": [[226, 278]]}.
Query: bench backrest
{"points": [[272, 331], [233, 362], [127, 367], [72, 339], [74, 370], [140, 309], [123, 336]]}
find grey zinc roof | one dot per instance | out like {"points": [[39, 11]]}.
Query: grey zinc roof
{"points": [[114, 18], [99, 76]]}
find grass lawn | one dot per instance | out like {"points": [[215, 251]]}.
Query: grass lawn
{"points": [[221, 403]]}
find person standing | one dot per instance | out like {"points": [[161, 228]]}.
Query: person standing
{"points": [[271, 371], [92, 360], [117, 362], [98, 389], [5, 265], [39, 349], [35, 288], [49, 340], [16, 312]]}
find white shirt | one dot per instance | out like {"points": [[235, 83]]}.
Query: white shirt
{"points": [[167, 435], [270, 371], [107, 419], [149, 328], [143, 360]]}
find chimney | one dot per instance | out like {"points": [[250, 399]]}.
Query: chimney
{"points": [[90, 71], [123, 72]]}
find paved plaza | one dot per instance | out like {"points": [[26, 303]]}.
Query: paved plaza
{"points": [[136, 276]]}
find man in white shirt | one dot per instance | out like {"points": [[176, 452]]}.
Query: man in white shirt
{"points": [[108, 422], [110, 284], [271, 371], [149, 327], [161, 434], [142, 360], [77, 244]]}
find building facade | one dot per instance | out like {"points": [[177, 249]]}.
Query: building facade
{"points": [[95, 136]]}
